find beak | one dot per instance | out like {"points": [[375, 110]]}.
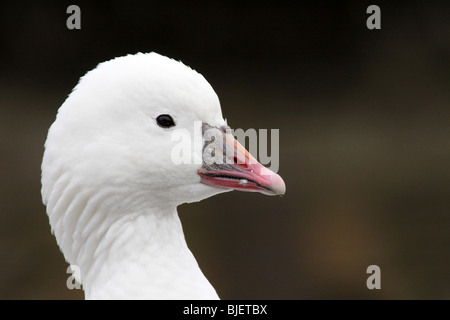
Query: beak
{"points": [[227, 164]]}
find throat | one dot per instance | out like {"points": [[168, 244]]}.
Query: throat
{"points": [[145, 256]]}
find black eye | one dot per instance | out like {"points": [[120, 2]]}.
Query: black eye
{"points": [[165, 121]]}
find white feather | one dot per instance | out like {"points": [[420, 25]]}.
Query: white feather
{"points": [[109, 184]]}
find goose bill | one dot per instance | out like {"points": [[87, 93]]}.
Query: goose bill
{"points": [[235, 168]]}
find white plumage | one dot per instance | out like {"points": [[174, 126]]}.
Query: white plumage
{"points": [[111, 187]]}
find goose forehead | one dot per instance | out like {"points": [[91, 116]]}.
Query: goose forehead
{"points": [[153, 83]]}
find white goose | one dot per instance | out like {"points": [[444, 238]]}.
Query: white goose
{"points": [[111, 185]]}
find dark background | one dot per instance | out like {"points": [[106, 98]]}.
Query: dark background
{"points": [[364, 120]]}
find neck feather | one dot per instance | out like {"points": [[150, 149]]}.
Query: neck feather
{"points": [[131, 252], [146, 256]]}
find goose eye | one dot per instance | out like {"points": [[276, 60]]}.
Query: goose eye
{"points": [[165, 121]]}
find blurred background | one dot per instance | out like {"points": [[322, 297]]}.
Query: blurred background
{"points": [[364, 120]]}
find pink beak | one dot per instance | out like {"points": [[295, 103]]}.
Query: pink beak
{"points": [[241, 171]]}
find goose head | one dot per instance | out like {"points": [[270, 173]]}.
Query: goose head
{"points": [[139, 131]]}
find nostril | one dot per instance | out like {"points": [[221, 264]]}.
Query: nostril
{"points": [[239, 163]]}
